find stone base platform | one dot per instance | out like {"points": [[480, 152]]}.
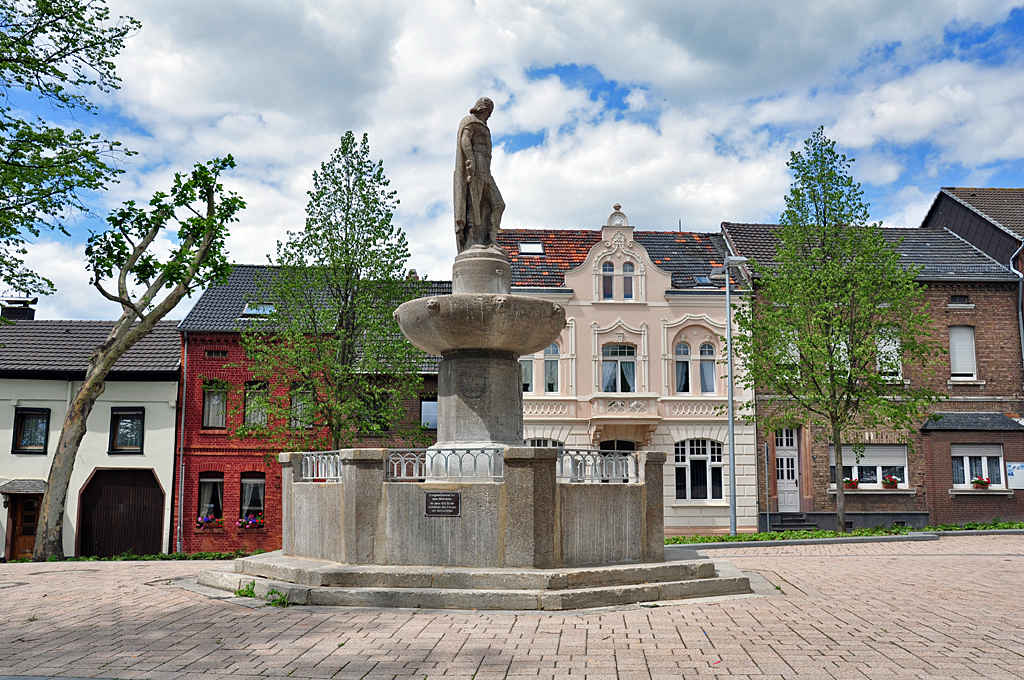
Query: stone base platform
{"points": [[315, 582]]}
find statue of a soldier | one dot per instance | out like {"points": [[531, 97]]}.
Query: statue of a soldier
{"points": [[478, 204]]}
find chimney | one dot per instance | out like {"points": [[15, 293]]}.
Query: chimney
{"points": [[18, 309]]}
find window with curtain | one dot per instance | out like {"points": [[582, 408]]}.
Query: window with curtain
{"points": [[961, 353], [618, 368], [698, 470], [877, 461], [253, 493], [889, 352], [971, 461], [215, 398], [31, 430], [551, 368], [126, 430], [301, 402], [256, 404], [526, 368], [608, 281], [211, 494], [707, 368], [682, 368], [627, 281]]}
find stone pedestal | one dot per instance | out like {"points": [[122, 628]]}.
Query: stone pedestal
{"points": [[480, 399]]}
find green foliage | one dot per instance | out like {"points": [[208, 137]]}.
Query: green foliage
{"points": [[996, 523], [836, 317], [53, 50], [787, 535], [329, 362], [275, 598], [131, 556], [249, 590]]}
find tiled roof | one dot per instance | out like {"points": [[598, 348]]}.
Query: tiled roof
{"points": [[1005, 207], [943, 254], [972, 421], [24, 486], [684, 254], [221, 306], [65, 346]]}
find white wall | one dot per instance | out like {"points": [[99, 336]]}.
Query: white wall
{"points": [[158, 399]]}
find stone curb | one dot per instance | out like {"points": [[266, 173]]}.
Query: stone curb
{"points": [[980, 532]]}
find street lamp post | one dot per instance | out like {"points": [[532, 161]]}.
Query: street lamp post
{"points": [[723, 273]]}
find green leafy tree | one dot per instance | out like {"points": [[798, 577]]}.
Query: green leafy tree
{"points": [[329, 363], [51, 52], [836, 317], [147, 286]]}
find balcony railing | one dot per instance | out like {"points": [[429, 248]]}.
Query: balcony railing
{"points": [[321, 466], [590, 466], [451, 464]]}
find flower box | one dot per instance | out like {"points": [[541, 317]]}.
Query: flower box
{"points": [[250, 522], [210, 522], [849, 483], [888, 485], [981, 482]]}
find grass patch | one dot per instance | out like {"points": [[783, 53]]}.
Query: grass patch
{"points": [[787, 535], [131, 556]]}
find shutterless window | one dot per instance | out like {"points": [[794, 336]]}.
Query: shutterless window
{"points": [[878, 461], [971, 461], [126, 430], [608, 281], [301, 407], [888, 355], [551, 368], [627, 281], [256, 395], [216, 354], [526, 368], [428, 413], [211, 494], [682, 368], [215, 398], [546, 444], [961, 353], [707, 368], [253, 493], [618, 368], [531, 248], [31, 430], [698, 470]]}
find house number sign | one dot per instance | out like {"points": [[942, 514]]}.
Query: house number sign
{"points": [[443, 504]]}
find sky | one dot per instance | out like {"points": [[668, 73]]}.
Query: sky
{"points": [[685, 113]]}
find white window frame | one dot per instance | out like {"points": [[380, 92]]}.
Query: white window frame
{"points": [[627, 276], [211, 419], [607, 275], [526, 371], [986, 452], [551, 365], [619, 359], [707, 453], [889, 355], [682, 356], [962, 353], [881, 457], [711, 361]]}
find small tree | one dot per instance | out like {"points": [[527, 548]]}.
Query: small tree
{"points": [[835, 317], [201, 210], [329, 363], [54, 50]]}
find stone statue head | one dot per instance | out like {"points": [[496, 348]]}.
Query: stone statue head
{"points": [[484, 104]]}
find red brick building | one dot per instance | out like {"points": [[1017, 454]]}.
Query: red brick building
{"points": [[973, 300], [222, 478]]}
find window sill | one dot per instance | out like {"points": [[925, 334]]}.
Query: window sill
{"points": [[219, 432], [953, 381], [716, 503], [244, 530], [968, 306], [1008, 493], [27, 452], [138, 452], [208, 531], [875, 492]]}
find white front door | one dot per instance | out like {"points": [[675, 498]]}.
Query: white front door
{"points": [[787, 477]]}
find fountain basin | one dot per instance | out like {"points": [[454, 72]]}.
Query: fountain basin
{"points": [[499, 323]]}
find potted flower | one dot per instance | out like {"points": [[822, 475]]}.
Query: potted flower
{"points": [[981, 482], [209, 522], [250, 521], [890, 482], [849, 483]]}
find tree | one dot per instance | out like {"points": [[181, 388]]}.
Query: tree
{"points": [[51, 50], [835, 317], [125, 270], [329, 363]]}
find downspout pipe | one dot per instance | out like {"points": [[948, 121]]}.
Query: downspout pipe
{"points": [[1020, 300], [181, 446]]}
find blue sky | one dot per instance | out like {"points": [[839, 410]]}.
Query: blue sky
{"points": [[678, 111]]}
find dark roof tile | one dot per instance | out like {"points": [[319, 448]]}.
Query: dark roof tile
{"points": [[1005, 207], [972, 421]]}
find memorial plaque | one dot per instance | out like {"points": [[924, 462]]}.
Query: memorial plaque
{"points": [[443, 504]]}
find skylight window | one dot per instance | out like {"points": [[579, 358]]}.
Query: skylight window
{"points": [[531, 248], [702, 279], [260, 309]]}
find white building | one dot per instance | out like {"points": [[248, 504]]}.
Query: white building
{"points": [[121, 488]]}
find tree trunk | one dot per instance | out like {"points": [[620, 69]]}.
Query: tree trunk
{"points": [[840, 494], [50, 531]]}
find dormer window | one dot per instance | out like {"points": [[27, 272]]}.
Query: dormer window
{"points": [[627, 281], [608, 281], [258, 309], [533, 248]]}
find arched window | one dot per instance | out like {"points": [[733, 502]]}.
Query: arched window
{"points": [[682, 368], [698, 470], [608, 281], [551, 368], [627, 281], [707, 368], [618, 368]]}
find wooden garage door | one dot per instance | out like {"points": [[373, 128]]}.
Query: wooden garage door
{"points": [[121, 510]]}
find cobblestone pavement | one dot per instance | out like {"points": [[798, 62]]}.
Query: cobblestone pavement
{"points": [[952, 608]]}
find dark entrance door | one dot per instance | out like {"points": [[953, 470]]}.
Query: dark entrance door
{"points": [[24, 514], [121, 510]]}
